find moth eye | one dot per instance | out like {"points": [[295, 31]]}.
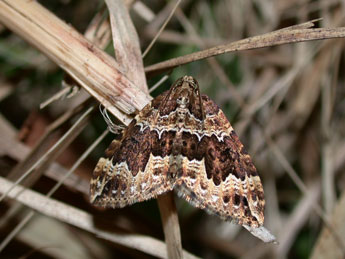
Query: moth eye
{"points": [[182, 100]]}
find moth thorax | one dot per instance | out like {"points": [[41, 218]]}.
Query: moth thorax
{"points": [[181, 112]]}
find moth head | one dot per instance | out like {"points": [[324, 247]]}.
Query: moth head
{"points": [[185, 91], [186, 84], [190, 82]]}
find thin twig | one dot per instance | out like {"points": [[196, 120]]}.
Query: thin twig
{"points": [[159, 83], [171, 227], [162, 28], [274, 38], [55, 97]]}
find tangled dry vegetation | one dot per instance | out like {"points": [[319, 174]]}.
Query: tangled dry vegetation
{"points": [[284, 99]]}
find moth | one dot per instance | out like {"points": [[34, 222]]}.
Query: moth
{"points": [[181, 141]]}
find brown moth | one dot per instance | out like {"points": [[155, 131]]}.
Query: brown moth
{"points": [[181, 140]]}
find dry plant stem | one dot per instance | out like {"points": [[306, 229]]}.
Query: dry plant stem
{"points": [[55, 97], [328, 92], [93, 69], [143, 11], [98, 33], [171, 227], [126, 43], [18, 151], [45, 141], [39, 151], [275, 38], [27, 218], [14, 232], [83, 220], [156, 85], [55, 150], [328, 175], [98, 30]]}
